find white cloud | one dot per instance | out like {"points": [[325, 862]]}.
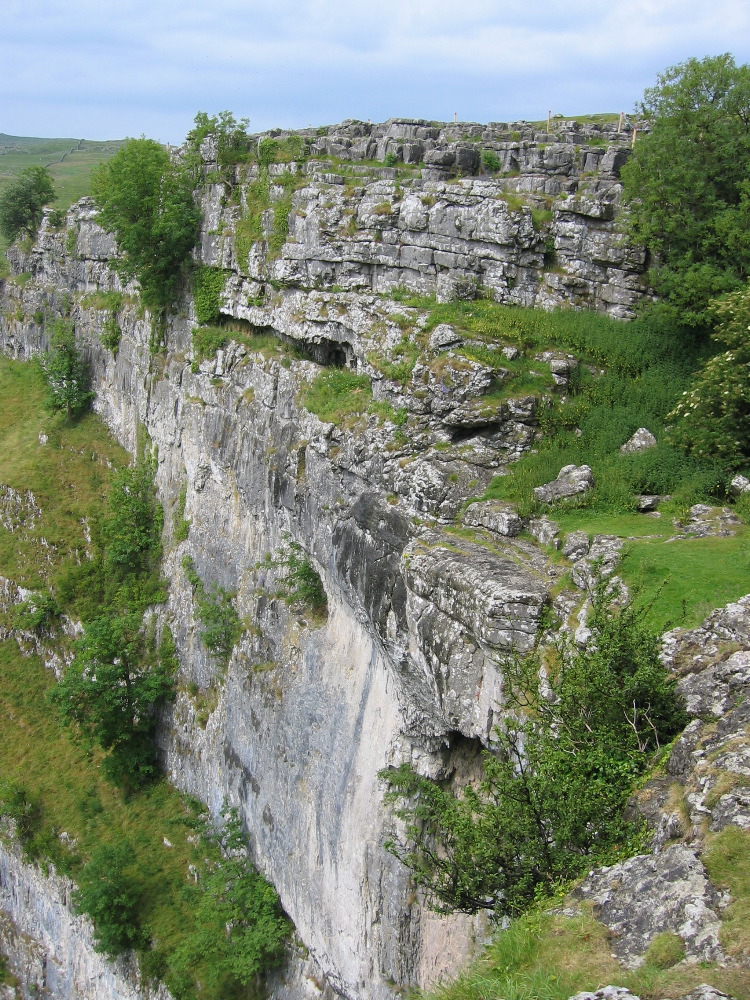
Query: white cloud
{"points": [[148, 66]]}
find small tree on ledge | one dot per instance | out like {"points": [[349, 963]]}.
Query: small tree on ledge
{"points": [[65, 372]]}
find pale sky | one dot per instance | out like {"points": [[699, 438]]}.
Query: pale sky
{"points": [[98, 70]]}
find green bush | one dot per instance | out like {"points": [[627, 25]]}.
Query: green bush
{"points": [[551, 800], [232, 895], [216, 612], [687, 183], [712, 419], [301, 585], [66, 374], [108, 894], [111, 692], [232, 140], [131, 530], [22, 201], [490, 161], [208, 285]]}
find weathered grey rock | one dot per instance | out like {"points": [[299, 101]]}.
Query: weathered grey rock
{"points": [[680, 900], [545, 531], [705, 992], [732, 809], [443, 336], [739, 485], [494, 515], [649, 502], [689, 650], [642, 440], [712, 691], [576, 545], [599, 563], [607, 993], [571, 481]]}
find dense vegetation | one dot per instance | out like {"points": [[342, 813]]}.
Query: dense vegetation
{"points": [[146, 200], [22, 201], [687, 183]]}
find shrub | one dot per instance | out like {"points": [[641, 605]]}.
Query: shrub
{"points": [[232, 140], [490, 161], [216, 612], [301, 584], [712, 419], [131, 529], [65, 372], [108, 894], [208, 285], [550, 803], [22, 201], [111, 691], [241, 929]]}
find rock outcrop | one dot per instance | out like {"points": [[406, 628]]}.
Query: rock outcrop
{"points": [[408, 664]]}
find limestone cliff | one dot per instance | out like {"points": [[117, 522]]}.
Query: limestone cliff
{"points": [[406, 665]]}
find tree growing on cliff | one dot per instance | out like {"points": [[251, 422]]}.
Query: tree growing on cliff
{"points": [[65, 372], [111, 692], [550, 801], [687, 183], [146, 201], [22, 202]]}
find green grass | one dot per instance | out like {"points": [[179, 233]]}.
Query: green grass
{"points": [[546, 957], [62, 779], [727, 861], [335, 394], [70, 162], [68, 476]]}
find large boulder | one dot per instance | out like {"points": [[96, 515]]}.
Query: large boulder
{"points": [[571, 480]]}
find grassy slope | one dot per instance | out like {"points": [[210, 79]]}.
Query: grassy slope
{"points": [[70, 162], [682, 580], [69, 477]]}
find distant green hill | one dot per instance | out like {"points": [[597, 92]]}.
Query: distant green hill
{"points": [[69, 161]]}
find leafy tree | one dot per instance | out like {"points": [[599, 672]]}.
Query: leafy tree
{"points": [[232, 140], [687, 183], [712, 420], [241, 929], [110, 694], [146, 200], [551, 798], [22, 202], [108, 895], [65, 372], [131, 529]]}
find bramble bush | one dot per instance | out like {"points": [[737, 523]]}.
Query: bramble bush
{"points": [[712, 419]]}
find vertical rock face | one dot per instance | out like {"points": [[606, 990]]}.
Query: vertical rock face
{"points": [[51, 949], [408, 663]]}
